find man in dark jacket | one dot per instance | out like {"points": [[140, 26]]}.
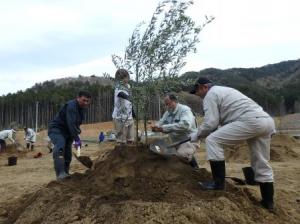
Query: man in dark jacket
{"points": [[63, 129]]}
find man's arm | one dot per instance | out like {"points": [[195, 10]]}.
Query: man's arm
{"points": [[123, 95], [10, 137], [71, 118], [211, 116]]}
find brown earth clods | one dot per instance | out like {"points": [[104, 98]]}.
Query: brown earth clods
{"points": [[132, 185]]}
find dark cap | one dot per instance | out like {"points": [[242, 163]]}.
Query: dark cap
{"points": [[200, 81]]}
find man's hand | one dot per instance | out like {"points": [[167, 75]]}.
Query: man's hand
{"points": [[156, 129], [194, 137]]}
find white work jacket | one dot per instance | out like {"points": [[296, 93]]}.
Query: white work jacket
{"points": [[30, 135], [179, 124], [7, 134], [223, 105]]}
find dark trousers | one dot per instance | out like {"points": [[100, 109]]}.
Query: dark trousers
{"points": [[2, 145], [62, 145]]}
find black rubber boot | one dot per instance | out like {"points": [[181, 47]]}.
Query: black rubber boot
{"points": [[267, 194], [218, 173], [193, 163], [59, 166], [27, 145], [32, 147], [67, 168]]}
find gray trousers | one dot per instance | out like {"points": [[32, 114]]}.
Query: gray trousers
{"points": [[257, 132], [124, 130]]}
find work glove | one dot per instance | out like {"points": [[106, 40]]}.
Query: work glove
{"points": [[76, 139], [194, 137], [156, 129]]}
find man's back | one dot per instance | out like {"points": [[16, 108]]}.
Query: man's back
{"points": [[231, 105], [5, 133]]}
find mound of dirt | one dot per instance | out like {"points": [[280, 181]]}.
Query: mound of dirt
{"points": [[290, 122], [132, 185], [281, 150]]}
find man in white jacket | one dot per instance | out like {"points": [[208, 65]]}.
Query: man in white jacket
{"points": [[230, 117], [179, 122], [6, 134], [30, 137]]}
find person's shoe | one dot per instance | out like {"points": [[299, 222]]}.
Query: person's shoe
{"points": [[59, 166], [218, 173], [63, 176], [193, 163], [268, 205], [267, 194], [212, 185], [67, 168]]}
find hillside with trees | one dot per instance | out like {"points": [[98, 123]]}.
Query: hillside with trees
{"points": [[274, 86], [45, 99]]}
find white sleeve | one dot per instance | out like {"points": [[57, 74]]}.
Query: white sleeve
{"points": [[10, 137], [211, 116]]}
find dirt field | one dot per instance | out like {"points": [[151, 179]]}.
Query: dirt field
{"points": [[130, 185]]}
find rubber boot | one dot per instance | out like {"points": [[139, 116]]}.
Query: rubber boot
{"points": [[67, 168], [267, 194], [32, 147], [27, 145], [59, 166], [193, 163], [218, 173]]}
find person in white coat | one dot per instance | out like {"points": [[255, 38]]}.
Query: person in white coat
{"points": [[179, 122], [30, 138], [6, 134], [123, 112], [230, 117]]}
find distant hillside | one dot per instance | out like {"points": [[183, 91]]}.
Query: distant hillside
{"points": [[276, 86], [84, 79]]}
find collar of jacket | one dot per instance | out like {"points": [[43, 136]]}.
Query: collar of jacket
{"points": [[172, 113]]}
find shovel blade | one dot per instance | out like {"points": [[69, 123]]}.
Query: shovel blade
{"points": [[160, 147], [84, 160]]}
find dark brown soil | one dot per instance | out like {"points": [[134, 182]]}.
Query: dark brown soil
{"points": [[132, 185]]}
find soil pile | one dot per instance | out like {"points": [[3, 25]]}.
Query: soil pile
{"points": [[132, 185], [290, 122], [281, 150]]}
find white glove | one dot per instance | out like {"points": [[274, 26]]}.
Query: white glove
{"points": [[194, 137]]}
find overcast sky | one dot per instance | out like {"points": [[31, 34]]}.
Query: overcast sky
{"points": [[42, 40]]}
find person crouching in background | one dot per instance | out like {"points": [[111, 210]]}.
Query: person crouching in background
{"points": [[30, 138]]}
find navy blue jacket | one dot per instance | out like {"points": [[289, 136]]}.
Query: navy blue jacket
{"points": [[68, 119]]}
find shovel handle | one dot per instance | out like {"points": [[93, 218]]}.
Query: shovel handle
{"points": [[179, 143]]}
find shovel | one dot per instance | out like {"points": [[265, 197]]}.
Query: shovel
{"points": [[84, 160], [160, 147], [179, 143]]}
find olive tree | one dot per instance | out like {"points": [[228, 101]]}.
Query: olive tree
{"points": [[156, 51]]}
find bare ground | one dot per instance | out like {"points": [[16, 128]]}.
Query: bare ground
{"points": [[130, 185]]}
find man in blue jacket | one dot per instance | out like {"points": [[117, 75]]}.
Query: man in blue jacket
{"points": [[64, 128]]}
